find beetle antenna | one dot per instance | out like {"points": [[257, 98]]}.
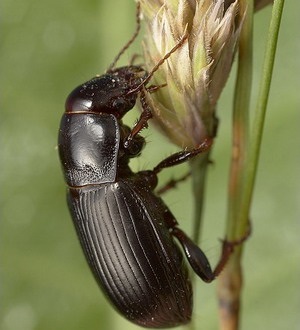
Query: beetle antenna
{"points": [[137, 30], [159, 63]]}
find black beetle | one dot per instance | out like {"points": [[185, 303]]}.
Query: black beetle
{"points": [[126, 231]]}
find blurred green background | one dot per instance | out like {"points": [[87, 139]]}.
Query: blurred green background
{"points": [[48, 48]]}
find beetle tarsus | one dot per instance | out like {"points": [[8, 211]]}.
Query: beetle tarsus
{"points": [[228, 248]]}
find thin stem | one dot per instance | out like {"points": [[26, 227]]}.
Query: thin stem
{"points": [[198, 168], [229, 289], [240, 136], [261, 106], [198, 172], [238, 215]]}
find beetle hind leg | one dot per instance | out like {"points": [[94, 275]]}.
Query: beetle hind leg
{"points": [[196, 257], [198, 260]]}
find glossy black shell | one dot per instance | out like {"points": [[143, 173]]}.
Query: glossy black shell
{"points": [[119, 220], [131, 252], [88, 148], [107, 93]]}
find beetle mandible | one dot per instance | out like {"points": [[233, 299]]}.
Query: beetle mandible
{"points": [[126, 231]]}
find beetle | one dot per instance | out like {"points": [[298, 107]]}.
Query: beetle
{"points": [[127, 233]]}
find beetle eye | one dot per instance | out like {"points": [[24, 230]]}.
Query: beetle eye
{"points": [[119, 103], [135, 146]]}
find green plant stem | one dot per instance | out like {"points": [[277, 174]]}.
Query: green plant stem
{"points": [[242, 178], [230, 284], [198, 167], [240, 135], [260, 112], [198, 172]]}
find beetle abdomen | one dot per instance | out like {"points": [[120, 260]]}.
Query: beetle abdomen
{"points": [[132, 254]]}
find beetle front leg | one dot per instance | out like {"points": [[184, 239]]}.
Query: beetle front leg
{"points": [[142, 121]]}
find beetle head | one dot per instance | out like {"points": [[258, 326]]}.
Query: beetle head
{"points": [[107, 93]]}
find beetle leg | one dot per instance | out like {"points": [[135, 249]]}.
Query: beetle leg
{"points": [[147, 114], [184, 155], [198, 260], [195, 256], [228, 248], [172, 183], [142, 121]]}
